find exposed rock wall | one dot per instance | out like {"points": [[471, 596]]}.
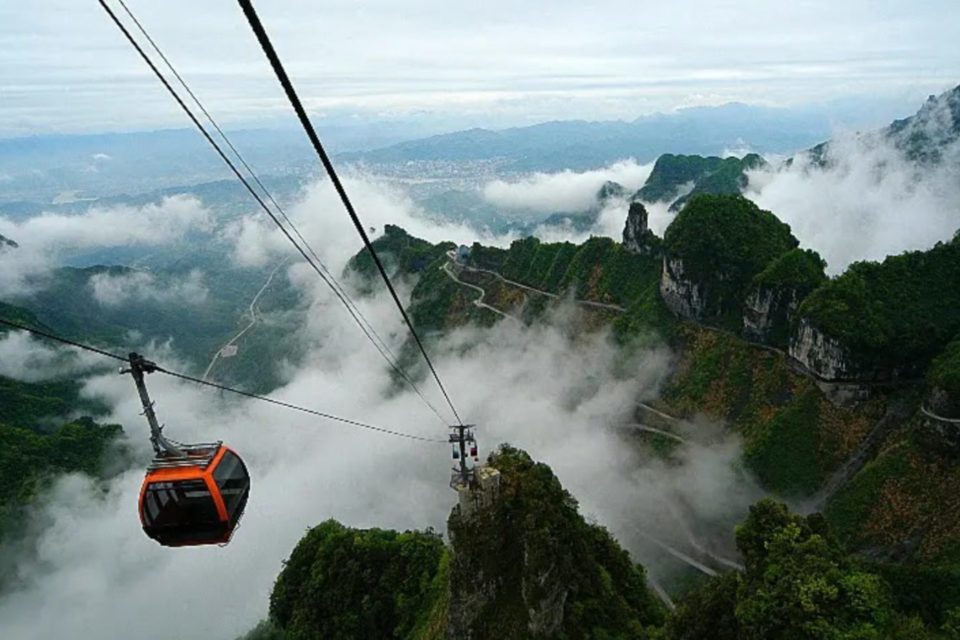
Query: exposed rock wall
{"points": [[682, 296], [767, 312], [824, 356], [636, 231]]}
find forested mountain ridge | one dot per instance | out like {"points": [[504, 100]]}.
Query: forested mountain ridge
{"points": [[799, 432]]}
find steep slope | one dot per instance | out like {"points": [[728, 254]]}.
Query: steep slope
{"points": [[930, 135], [529, 566], [882, 320], [713, 249]]}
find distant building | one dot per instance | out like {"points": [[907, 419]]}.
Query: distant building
{"points": [[463, 253]]}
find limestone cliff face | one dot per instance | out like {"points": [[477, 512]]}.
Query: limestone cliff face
{"points": [[636, 231], [685, 297], [767, 312], [821, 354]]}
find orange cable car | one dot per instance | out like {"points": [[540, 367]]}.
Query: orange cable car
{"points": [[195, 498], [193, 494]]}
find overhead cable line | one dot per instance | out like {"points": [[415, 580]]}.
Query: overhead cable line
{"points": [[364, 325], [254, 20], [246, 394], [330, 279]]}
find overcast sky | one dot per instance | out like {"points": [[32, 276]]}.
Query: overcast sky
{"points": [[64, 67]]}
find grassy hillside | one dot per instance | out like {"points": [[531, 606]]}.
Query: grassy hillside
{"points": [[793, 436]]}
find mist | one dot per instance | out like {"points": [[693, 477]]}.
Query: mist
{"points": [[44, 238], [565, 191], [547, 389], [868, 203]]}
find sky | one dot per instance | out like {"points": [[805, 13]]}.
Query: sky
{"points": [[65, 68]]}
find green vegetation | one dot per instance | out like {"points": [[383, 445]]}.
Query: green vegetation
{"points": [[793, 437], [943, 379], [711, 175], [798, 584], [400, 252], [798, 269], [724, 243], [343, 583], [29, 459], [896, 315], [32, 405], [531, 566], [671, 172]]}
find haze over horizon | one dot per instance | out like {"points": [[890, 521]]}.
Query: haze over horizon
{"points": [[436, 67]]}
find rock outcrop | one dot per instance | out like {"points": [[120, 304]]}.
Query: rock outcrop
{"points": [[764, 309], [824, 356], [529, 566], [770, 307], [636, 231], [682, 295]]}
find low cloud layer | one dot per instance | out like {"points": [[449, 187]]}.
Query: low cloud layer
{"points": [[138, 286], [25, 358], [94, 574], [869, 203], [322, 220], [564, 191], [45, 237]]}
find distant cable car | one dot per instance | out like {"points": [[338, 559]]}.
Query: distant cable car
{"points": [[195, 498], [473, 451], [193, 494], [456, 453]]}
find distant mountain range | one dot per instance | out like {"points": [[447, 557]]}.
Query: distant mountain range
{"points": [[581, 145]]}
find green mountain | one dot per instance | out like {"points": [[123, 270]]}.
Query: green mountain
{"points": [[42, 434], [672, 174], [524, 565]]}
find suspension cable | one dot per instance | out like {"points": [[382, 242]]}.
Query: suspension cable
{"points": [[382, 347], [333, 282], [246, 394], [254, 20]]}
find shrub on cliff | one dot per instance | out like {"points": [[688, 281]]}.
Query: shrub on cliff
{"points": [[895, 314]]}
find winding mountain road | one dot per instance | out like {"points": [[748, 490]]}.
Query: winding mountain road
{"points": [[254, 319], [519, 285], [479, 301]]}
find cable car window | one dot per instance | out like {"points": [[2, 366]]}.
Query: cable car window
{"points": [[233, 481], [170, 504]]}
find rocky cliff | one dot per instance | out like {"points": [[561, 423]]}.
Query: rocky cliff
{"points": [[770, 309], [530, 566], [825, 357], [713, 250], [7, 243], [637, 237], [682, 295]]}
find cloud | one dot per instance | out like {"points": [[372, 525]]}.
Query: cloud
{"points": [[322, 220], [24, 358], [868, 203], [101, 157], [565, 191], [138, 286], [551, 390], [44, 237]]}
